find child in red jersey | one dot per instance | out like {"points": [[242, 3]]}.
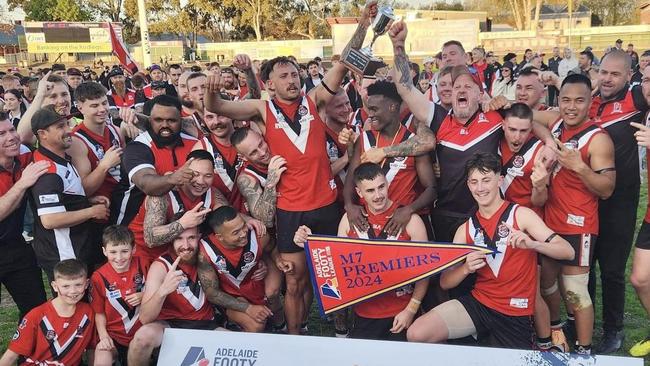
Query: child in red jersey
{"points": [[58, 331], [116, 293]]}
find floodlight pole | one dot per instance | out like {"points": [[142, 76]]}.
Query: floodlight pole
{"points": [[144, 34]]}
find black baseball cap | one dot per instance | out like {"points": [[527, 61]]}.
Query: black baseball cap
{"points": [[74, 71], [158, 85], [44, 118], [58, 67], [115, 72]]}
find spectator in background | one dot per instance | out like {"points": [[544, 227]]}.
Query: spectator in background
{"points": [[567, 64], [553, 65], [415, 72], [633, 55], [596, 61], [505, 84], [478, 56], [491, 70], [427, 73], [314, 77], [619, 44], [528, 55], [638, 74], [585, 63], [14, 106], [59, 70], [423, 83]]}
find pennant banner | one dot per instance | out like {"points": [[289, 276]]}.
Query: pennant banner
{"points": [[120, 50], [346, 271]]}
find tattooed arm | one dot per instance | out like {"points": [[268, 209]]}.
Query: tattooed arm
{"points": [[418, 103], [254, 91], [210, 285], [261, 200], [156, 233]]}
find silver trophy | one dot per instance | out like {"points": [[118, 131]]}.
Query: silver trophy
{"points": [[362, 61]]}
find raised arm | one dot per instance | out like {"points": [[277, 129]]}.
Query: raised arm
{"points": [[240, 110], [25, 125]]}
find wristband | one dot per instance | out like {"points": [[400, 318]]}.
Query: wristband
{"points": [[327, 88], [550, 237]]}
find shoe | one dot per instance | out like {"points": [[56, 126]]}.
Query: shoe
{"points": [[611, 342], [304, 329], [559, 340], [582, 350], [341, 333], [27, 236], [641, 349]]}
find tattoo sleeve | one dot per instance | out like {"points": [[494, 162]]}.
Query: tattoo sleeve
{"points": [[357, 38], [423, 142], [403, 67], [210, 284], [254, 91], [261, 202], [220, 199], [156, 232]]}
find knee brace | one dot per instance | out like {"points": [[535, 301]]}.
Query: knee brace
{"points": [[551, 290], [577, 292]]}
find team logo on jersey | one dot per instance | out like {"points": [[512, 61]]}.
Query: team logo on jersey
{"points": [[16, 335], [23, 324], [248, 257], [463, 131], [302, 111], [50, 335], [220, 263], [571, 144], [482, 118], [618, 108], [479, 238], [503, 231], [518, 161], [100, 151]]}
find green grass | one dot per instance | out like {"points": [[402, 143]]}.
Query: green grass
{"points": [[636, 322]]}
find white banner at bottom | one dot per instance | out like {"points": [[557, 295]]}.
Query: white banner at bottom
{"points": [[181, 347]]}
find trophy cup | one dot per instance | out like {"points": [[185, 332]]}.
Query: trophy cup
{"points": [[362, 61]]}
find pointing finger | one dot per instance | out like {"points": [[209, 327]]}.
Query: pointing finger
{"points": [[175, 264]]}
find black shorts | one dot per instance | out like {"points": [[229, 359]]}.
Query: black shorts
{"points": [[502, 330], [323, 221], [377, 329], [583, 245], [643, 239], [193, 324]]}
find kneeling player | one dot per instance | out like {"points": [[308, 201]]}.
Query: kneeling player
{"points": [[229, 269], [172, 298], [385, 317], [116, 294], [58, 331], [503, 299]]}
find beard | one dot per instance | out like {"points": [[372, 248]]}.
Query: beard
{"points": [[120, 88], [165, 141]]}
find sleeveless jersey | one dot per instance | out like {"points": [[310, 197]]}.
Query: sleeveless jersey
{"points": [[226, 165], [516, 171], [400, 171], [571, 208], [45, 338], [614, 116], [457, 143], [647, 212], [358, 119], [188, 302], [107, 296], [296, 132], [97, 145], [235, 267], [508, 283], [336, 151], [390, 303]]}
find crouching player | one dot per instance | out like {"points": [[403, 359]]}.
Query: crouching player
{"points": [[502, 302], [173, 297], [58, 331], [232, 270], [387, 316], [116, 294]]}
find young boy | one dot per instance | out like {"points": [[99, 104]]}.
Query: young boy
{"points": [[116, 293], [58, 331]]}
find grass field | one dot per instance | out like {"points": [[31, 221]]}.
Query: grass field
{"points": [[637, 324]]}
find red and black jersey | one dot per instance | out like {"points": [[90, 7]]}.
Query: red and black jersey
{"points": [[44, 337], [130, 99], [58, 191], [391, 303], [400, 171], [97, 145], [143, 153], [614, 116], [235, 267], [335, 151], [508, 284], [296, 132], [357, 119], [188, 302], [571, 208], [11, 227], [227, 163], [516, 171], [108, 292], [647, 212], [457, 143]]}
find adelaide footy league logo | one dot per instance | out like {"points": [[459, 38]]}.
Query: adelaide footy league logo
{"points": [[195, 357], [331, 289]]}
